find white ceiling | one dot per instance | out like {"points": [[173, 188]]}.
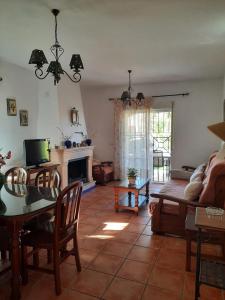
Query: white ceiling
{"points": [[161, 40]]}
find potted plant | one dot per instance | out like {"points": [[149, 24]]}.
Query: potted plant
{"points": [[132, 174]]}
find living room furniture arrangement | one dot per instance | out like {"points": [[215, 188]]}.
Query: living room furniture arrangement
{"points": [[134, 198], [170, 206], [103, 172], [208, 271], [212, 237], [30, 202], [54, 236]]}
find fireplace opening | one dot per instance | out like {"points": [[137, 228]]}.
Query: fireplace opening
{"points": [[77, 170]]}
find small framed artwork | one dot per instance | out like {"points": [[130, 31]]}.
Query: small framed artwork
{"points": [[11, 107], [23, 118]]}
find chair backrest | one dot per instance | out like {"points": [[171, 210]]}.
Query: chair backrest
{"points": [[16, 175], [48, 178], [67, 210]]}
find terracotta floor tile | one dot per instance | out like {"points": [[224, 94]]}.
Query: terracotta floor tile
{"points": [[151, 241], [172, 259], [124, 290], [138, 228], [91, 282], [147, 230], [117, 248], [206, 292], [73, 295], [127, 237], [135, 270], [167, 279], [86, 257], [92, 243], [143, 254], [156, 293], [140, 220], [177, 244], [106, 263]]}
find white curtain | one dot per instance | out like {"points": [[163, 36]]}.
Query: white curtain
{"points": [[133, 145]]}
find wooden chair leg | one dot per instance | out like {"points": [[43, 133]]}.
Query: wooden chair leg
{"points": [[49, 256], [24, 265], [3, 254], [36, 258], [188, 254], [56, 262], [76, 254]]}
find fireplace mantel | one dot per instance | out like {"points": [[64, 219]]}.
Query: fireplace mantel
{"points": [[63, 156]]}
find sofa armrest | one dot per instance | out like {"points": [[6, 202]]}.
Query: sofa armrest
{"points": [[188, 168], [178, 200]]}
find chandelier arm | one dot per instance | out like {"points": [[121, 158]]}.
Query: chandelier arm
{"points": [[74, 76], [41, 73]]}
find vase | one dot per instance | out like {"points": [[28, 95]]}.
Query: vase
{"points": [[2, 180], [132, 180], [68, 144], [88, 142]]}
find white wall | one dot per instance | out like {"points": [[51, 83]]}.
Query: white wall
{"points": [[19, 84], [69, 96], [48, 107], [192, 141]]}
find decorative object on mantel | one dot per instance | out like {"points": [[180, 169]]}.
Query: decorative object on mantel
{"points": [[2, 163], [75, 117], [66, 138], [23, 117], [88, 142], [38, 58], [132, 175], [11, 107]]}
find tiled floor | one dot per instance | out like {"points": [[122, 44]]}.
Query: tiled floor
{"points": [[121, 259]]}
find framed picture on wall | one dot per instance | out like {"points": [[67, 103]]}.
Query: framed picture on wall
{"points": [[11, 107], [23, 117]]}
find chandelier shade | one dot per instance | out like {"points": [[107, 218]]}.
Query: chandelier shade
{"points": [[38, 59]]}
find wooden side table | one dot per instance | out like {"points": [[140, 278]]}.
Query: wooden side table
{"points": [[209, 272], [134, 198]]}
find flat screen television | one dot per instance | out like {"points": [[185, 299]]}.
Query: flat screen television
{"points": [[37, 151]]}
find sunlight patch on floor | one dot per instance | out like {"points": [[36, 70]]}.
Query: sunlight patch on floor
{"points": [[114, 226], [101, 236]]}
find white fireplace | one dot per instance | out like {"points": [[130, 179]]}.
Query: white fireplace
{"points": [[65, 156]]}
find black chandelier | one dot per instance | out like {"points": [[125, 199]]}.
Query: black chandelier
{"points": [[126, 95], [38, 58]]}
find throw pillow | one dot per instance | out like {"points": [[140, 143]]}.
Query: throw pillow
{"points": [[193, 190], [197, 176]]}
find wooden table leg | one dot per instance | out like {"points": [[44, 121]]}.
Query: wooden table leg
{"points": [[198, 261], [136, 202], [129, 198], [116, 199], [15, 262]]}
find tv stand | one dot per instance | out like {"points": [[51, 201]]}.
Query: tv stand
{"points": [[34, 170]]}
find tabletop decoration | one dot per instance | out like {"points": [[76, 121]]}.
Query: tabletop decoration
{"points": [[2, 163]]}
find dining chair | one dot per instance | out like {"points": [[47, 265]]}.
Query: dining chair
{"points": [[16, 175], [54, 236], [48, 178]]}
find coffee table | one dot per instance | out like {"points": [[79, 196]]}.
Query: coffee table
{"points": [[133, 199]]}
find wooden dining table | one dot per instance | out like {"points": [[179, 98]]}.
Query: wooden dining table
{"points": [[19, 204]]}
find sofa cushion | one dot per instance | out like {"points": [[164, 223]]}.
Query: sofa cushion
{"points": [[193, 190], [197, 176]]}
